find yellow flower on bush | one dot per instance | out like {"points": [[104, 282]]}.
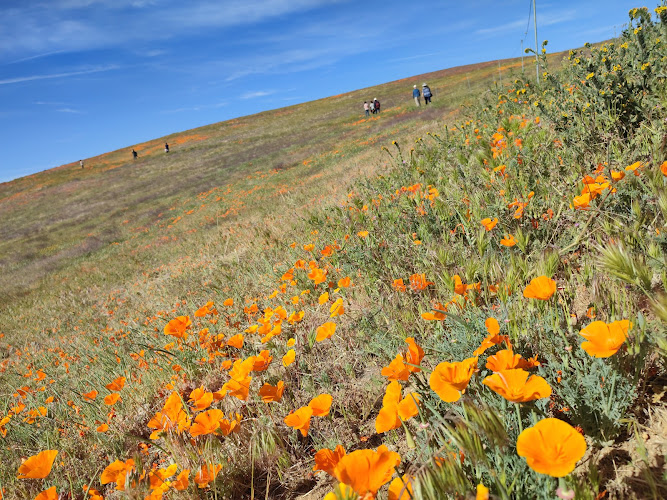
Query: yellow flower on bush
{"points": [[551, 447]]}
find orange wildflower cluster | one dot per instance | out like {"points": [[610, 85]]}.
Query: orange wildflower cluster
{"points": [[362, 471]]}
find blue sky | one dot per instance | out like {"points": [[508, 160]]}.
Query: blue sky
{"points": [[83, 77]]}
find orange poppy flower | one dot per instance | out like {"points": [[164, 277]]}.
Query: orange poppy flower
{"points": [[366, 471], [201, 399], [401, 488], [177, 327], [515, 386], [90, 396], [239, 388], [326, 460], [461, 288], [236, 341], [489, 224], [158, 477], [206, 422], [508, 241], [362, 234], [482, 492], [398, 285], [272, 394], [289, 358], [541, 288], [435, 315], [207, 474], [414, 355], [617, 176], [318, 276], [182, 481], [262, 361], [418, 282], [663, 168], [506, 360], [111, 399], [325, 331], [229, 426], [337, 308], [634, 167], [37, 466], [103, 428], [551, 447], [116, 385], [321, 405], [394, 409], [396, 370], [581, 202], [49, 494], [604, 339], [205, 310], [172, 416], [323, 298], [300, 419], [309, 247], [116, 472], [344, 282], [449, 380], [228, 302]]}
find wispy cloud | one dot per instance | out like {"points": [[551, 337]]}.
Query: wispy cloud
{"points": [[78, 25], [199, 107], [547, 19], [259, 93], [30, 78], [69, 110]]}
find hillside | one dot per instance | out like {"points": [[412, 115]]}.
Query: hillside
{"points": [[465, 300]]}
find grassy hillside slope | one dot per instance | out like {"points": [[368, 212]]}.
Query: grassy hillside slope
{"points": [[369, 301]]}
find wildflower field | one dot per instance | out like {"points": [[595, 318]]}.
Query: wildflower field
{"points": [[468, 303]]}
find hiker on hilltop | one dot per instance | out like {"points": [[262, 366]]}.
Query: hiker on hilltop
{"points": [[367, 108], [372, 106], [377, 105], [81, 163], [426, 91], [416, 94], [166, 147], [134, 154]]}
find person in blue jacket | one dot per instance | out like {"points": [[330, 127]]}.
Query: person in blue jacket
{"points": [[416, 94], [426, 91]]}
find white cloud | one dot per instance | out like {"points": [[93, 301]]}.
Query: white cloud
{"points": [[259, 93], [30, 78], [76, 25], [519, 25], [70, 110]]}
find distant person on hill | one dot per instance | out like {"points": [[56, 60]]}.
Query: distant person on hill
{"points": [[426, 91], [134, 154], [367, 108], [377, 105], [81, 163], [372, 106], [166, 147], [416, 94]]}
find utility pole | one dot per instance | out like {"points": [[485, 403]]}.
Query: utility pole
{"points": [[522, 55], [537, 54]]}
